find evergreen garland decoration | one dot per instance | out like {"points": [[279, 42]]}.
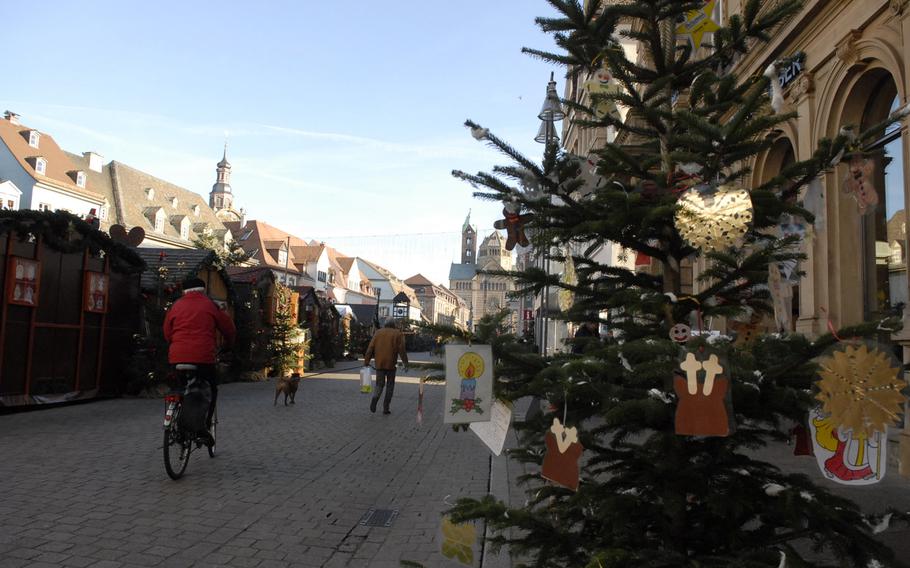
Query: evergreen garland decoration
{"points": [[67, 233]]}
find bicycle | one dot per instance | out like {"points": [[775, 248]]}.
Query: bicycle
{"points": [[178, 443]]}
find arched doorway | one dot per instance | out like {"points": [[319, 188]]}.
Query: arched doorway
{"points": [[884, 231], [780, 155]]}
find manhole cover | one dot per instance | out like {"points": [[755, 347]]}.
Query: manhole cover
{"points": [[379, 517]]}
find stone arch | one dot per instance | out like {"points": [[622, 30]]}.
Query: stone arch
{"points": [[846, 98], [768, 163], [832, 95]]}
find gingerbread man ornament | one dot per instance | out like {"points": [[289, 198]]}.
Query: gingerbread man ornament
{"points": [[514, 226], [859, 184]]}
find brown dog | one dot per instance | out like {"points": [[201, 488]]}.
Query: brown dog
{"points": [[288, 386]]}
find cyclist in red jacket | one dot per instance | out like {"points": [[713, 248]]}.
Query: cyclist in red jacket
{"points": [[190, 327]]}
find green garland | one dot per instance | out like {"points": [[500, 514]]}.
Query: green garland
{"points": [[66, 233]]}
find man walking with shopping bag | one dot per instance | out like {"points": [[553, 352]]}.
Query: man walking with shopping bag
{"points": [[386, 346]]}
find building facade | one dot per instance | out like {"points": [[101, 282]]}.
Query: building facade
{"points": [[439, 304], [46, 179], [483, 293]]}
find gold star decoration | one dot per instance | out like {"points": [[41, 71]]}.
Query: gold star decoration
{"points": [[712, 221], [861, 390], [698, 23]]}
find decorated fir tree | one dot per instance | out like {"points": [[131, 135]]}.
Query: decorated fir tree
{"points": [[227, 254], [285, 343], [670, 426]]}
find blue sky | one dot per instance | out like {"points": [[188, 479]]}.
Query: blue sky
{"points": [[342, 118]]}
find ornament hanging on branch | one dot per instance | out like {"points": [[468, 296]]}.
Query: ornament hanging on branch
{"points": [[858, 183], [680, 333], [458, 541], [702, 408], [860, 388], [601, 86], [713, 220], [860, 394], [746, 331], [566, 297], [560, 464], [803, 445], [843, 457], [587, 173], [781, 298], [791, 227], [698, 23], [513, 223]]}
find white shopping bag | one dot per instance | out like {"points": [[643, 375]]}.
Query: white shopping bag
{"points": [[366, 380]]}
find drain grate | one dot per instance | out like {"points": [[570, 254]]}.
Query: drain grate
{"points": [[379, 517]]}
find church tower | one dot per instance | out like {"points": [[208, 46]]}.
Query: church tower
{"points": [[221, 199], [221, 196], [468, 242]]}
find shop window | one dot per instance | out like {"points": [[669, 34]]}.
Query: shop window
{"points": [[884, 230]]}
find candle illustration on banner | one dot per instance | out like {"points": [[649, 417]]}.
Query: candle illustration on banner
{"points": [[470, 366], [469, 383]]}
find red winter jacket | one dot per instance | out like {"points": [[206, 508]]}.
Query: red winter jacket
{"points": [[190, 327]]}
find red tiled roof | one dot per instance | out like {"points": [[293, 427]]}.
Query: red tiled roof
{"points": [[58, 163]]}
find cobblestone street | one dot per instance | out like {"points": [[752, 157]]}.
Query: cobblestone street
{"points": [[85, 485]]}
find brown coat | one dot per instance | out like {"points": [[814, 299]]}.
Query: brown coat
{"points": [[387, 344]]}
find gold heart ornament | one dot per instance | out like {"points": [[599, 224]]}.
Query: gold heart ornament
{"points": [[713, 221]]}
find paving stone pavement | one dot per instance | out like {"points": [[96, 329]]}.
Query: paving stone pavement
{"points": [[85, 486]]}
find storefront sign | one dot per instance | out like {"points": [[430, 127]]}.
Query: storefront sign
{"points": [[788, 74]]}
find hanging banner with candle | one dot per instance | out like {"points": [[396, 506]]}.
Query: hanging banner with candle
{"points": [[469, 383]]}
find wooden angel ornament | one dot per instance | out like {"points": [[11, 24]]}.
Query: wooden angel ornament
{"points": [[560, 465], [702, 407]]}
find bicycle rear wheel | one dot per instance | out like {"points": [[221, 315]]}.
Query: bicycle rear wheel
{"points": [[212, 432], [176, 452]]}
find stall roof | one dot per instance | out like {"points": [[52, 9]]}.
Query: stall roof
{"points": [[180, 263]]}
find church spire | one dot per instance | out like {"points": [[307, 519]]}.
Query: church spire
{"points": [[221, 196], [468, 242], [467, 222]]}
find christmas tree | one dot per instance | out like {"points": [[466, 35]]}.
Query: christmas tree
{"points": [[655, 489], [285, 343]]}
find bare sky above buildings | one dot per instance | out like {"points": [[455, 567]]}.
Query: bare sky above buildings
{"points": [[343, 120]]}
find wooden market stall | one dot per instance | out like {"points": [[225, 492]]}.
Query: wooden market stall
{"points": [[66, 320]]}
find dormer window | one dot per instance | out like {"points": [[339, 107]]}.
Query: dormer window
{"points": [[174, 202], [149, 193], [34, 138], [78, 176], [196, 210], [282, 256], [40, 165], [184, 229], [159, 221]]}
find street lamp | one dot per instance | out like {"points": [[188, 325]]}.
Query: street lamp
{"points": [[550, 112]]}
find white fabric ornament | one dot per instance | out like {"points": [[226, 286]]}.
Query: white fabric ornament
{"points": [[777, 92], [814, 202], [480, 133]]}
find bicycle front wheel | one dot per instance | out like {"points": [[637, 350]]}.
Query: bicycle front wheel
{"points": [[176, 453]]}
